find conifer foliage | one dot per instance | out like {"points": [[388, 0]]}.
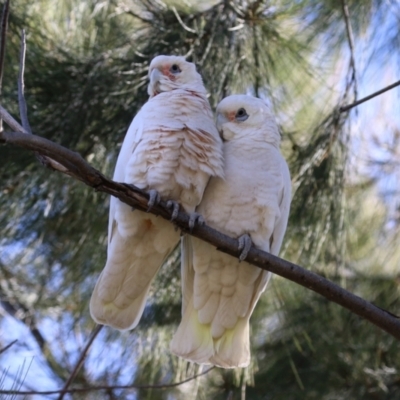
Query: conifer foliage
{"points": [[86, 77]]}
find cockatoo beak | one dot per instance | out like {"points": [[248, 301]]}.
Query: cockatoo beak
{"points": [[153, 88], [221, 120]]}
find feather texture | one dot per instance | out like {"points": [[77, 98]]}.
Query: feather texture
{"points": [[173, 147], [254, 198]]}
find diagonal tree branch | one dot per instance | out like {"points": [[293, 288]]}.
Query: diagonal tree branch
{"points": [[26, 316], [80, 361], [369, 97], [137, 198], [8, 346], [63, 160]]}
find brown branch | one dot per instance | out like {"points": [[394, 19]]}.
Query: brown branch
{"points": [[93, 388], [137, 198], [80, 361], [369, 97]]}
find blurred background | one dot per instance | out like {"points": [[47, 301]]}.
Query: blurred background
{"points": [[86, 77]]}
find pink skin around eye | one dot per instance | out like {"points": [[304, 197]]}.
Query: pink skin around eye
{"points": [[166, 71], [231, 115]]}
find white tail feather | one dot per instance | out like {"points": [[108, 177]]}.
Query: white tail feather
{"points": [[193, 341], [119, 296]]}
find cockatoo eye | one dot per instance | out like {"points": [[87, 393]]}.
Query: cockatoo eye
{"points": [[241, 115], [175, 69]]}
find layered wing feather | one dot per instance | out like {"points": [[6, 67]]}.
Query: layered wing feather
{"points": [[254, 198], [172, 146]]}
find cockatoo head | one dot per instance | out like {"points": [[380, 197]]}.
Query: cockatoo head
{"points": [[167, 73], [241, 116]]}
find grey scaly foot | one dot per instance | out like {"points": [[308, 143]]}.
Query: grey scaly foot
{"points": [[245, 244], [195, 218], [154, 199], [175, 205]]}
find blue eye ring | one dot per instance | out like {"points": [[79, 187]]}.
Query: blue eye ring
{"points": [[241, 115], [175, 69]]}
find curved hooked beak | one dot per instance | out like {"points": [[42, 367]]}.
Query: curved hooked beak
{"points": [[153, 88], [221, 120]]}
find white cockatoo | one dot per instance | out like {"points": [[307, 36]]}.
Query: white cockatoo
{"points": [[252, 202], [171, 149]]}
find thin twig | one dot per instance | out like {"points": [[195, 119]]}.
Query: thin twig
{"points": [[80, 361], [184, 26], [138, 198], [15, 378], [23, 109], [10, 121], [21, 86], [46, 161], [8, 346], [371, 96], [3, 39], [93, 388], [350, 39]]}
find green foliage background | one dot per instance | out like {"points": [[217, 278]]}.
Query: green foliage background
{"points": [[86, 72]]}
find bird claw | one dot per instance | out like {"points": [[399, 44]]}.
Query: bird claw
{"points": [[154, 199], [175, 205], [245, 244], [194, 218]]}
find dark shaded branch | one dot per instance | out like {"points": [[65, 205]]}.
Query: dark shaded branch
{"points": [[8, 346], [22, 313], [369, 97], [10, 121], [107, 388], [137, 198], [80, 361]]}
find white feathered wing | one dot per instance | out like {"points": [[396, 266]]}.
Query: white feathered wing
{"points": [[172, 146], [219, 293]]}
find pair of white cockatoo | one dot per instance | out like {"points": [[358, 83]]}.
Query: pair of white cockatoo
{"points": [[233, 175]]}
